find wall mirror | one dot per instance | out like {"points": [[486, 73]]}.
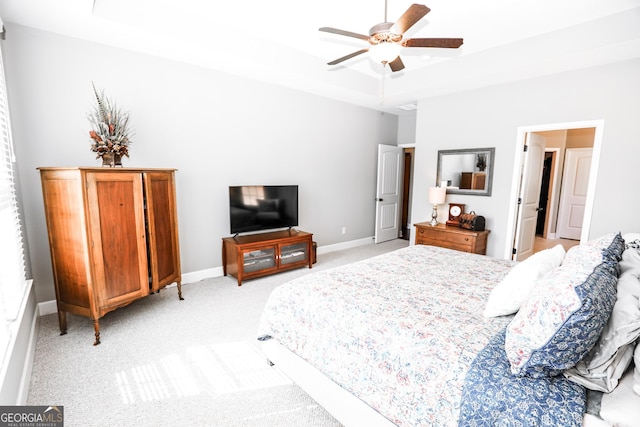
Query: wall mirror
{"points": [[467, 171]]}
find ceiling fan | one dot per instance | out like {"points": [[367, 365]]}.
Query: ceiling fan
{"points": [[386, 39]]}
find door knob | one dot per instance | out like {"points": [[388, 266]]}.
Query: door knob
{"points": [[379, 200]]}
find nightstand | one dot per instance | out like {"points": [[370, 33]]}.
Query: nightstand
{"points": [[452, 237]]}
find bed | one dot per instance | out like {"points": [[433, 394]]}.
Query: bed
{"points": [[406, 339]]}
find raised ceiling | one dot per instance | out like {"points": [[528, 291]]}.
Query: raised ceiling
{"points": [[278, 41]]}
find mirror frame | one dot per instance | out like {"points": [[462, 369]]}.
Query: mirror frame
{"points": [[490, 152]]}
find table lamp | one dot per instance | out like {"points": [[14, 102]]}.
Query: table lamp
{"points": [[436, 197]]}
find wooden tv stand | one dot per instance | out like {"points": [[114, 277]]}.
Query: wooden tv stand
{"points": [[257, 255]]}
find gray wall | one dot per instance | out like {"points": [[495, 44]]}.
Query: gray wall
{"points": [[407, 128], [216, 129], [491, 117]]}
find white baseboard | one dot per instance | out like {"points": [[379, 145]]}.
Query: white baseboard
{"points": [[50, 307], [47, 307], [345, 245], [196, 276]]}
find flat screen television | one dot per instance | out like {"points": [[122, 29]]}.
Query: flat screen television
{"points": [[262, 207]]}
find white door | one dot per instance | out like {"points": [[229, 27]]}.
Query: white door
{"points": [[573, 196], [388, 193], [529, 196]]}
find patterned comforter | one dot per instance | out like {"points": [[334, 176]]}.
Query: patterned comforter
{"points": [[399, 330]]}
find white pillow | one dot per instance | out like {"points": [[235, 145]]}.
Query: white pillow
{"points": [[605, 363], [512, 291], [621, 407], [629, 237]]}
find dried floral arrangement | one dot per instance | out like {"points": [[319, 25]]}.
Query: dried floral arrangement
{"points": [[110, 127]]}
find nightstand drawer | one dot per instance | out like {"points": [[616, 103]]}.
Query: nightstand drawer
{"points": [[452, 238]]}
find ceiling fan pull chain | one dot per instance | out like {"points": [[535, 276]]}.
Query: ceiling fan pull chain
{"points": [[382, 85]]}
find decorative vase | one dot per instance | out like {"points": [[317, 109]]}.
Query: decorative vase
{"points": [[111, 160]]}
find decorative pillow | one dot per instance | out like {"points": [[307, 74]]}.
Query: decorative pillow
{"points": [[512, 291], [607, 248], [566, 313], [491, 396]]}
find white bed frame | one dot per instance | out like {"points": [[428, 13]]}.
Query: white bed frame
{"points": [[349, 410], [344, 406]]}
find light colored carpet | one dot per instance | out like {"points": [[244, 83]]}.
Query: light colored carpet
{"points": [[165, 362]]}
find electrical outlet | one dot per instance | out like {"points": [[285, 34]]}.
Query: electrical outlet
{"points": [[344, 230]]}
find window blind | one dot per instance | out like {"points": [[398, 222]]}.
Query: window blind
{"points": [[12, 265]]}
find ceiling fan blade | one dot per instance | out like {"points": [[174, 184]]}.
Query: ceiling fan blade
{"points": [[412, 15], [344, 33], [445, 43], [396, 64], [344, 58]]}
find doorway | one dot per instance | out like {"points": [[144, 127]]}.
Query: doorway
{"points": [[405, 230], [575, 180], [393, 193], [548, 187], [542, 222], [388, 193]]}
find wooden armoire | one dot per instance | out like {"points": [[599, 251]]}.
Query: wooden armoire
{"points": [[113, 237]]}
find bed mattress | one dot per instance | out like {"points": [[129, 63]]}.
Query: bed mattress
{"points": [[399, 331]]}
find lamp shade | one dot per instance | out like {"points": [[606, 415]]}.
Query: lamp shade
{"points": [[437, 195]]}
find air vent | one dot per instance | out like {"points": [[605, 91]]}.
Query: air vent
{"points": [[408, 107]]}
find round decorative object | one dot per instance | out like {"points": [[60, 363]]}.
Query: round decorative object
{"points": [[111, 160], [455, 210]]}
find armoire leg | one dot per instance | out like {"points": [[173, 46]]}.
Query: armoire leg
{"points": [[96, 328]]}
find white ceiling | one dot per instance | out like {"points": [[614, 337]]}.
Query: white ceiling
{"points": [[278, 41]]}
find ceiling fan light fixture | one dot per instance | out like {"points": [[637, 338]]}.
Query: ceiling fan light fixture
{"points": [[387, 38], [384, 52]]}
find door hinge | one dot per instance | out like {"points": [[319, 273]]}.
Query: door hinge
{"points": [[526, 148], [513, 251], [519, 200]]}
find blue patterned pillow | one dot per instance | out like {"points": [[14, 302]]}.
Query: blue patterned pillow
{"points": [[493, 397], [565, 315]]}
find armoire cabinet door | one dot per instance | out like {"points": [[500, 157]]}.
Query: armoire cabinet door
{"points": [[62, 192], [162, 225], [118, 241]]}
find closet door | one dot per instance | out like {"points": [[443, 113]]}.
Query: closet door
{"points": [[162, 226], [118, 241]]}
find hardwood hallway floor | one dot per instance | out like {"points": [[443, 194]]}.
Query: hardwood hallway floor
{"points": [[542, 243]]}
